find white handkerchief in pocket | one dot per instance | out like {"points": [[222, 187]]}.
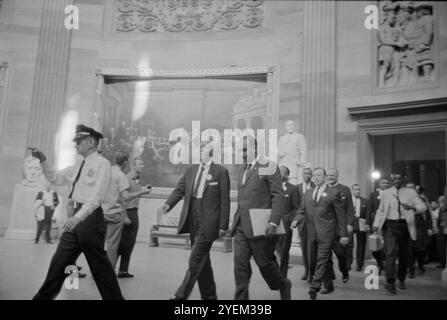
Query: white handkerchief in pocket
{"points": [[214, 183]]}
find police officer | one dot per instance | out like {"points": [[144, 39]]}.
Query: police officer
{"points": [[85, 229]]}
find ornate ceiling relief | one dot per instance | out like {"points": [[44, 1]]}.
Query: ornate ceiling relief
{"points": [[405, 43], [187, 15]]}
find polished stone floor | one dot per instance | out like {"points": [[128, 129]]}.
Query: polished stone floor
{"points": [[158, 272]]}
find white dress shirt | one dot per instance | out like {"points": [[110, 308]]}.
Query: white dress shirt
{"points": [[202, 179], [320, 191], [93, 184], [357, 205]]}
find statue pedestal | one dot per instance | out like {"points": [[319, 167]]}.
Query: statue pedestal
{"points": [[22, 223]]}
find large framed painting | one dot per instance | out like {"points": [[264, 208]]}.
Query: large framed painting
{"points": [[141, 108]]}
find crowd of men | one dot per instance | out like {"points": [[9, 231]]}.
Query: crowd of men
{"points": [[103, 209]]}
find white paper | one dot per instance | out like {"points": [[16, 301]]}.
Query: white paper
{"points": [[260, 220]]}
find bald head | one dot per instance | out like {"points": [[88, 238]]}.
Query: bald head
{"points": [[332, 176]]}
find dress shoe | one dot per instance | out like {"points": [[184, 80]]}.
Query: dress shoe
{"points": [[327, 290], [440, 266], [304, 277], [285, 289], [81, 275], [213, 297], [176, 298], [345, 278], [313, 294], [411, 275], [310, 279], [36, 241], [391, 288], [124, 274], [49, 241], [402, 285]]}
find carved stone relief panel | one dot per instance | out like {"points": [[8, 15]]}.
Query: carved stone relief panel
{"points": [[186, 15], [405, 43]]}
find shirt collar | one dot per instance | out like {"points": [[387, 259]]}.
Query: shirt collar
{"points": [[206, 165], [91, 156], [334, 185]]}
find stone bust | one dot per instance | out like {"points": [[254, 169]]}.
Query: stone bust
{"points": [[33, 172]]}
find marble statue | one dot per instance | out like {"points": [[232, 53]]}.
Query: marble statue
{"points": [[292, 152], [33, 173]]}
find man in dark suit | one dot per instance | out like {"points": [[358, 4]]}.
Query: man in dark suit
{"points": [[343, 252], [259, 187], [372, 206], [325, 215], [205, 189], [303, 187], [291, 204], [360, 206]]}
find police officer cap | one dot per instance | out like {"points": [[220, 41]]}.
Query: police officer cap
{"points": [[83, 131]]}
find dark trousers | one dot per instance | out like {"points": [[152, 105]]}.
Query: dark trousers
{"points": [[128, 239], [324, 272], [379, 256], [87, 237], [199, 264], [441, 239], [312, 252], [45, 223], [344, 255], [282, 248], [360, 237], [396, 238], [263, 251], [302, 232]]}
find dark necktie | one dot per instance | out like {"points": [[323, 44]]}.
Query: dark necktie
{"points": [[199, 179], [76, 179], [244, 177], [316, 196]]}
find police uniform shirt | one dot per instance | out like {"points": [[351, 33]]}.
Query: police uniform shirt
{"points": [[92, 187], [118, 184]]}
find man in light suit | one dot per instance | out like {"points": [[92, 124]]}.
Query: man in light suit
{"points": [[323, 207], [396, 217], [303, 187], [258, 188], [373, 205], [205, 189]]}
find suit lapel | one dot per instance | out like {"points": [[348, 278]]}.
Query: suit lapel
{"points": [[210, 173], [321, 197], [192, 179], [250, 172]]}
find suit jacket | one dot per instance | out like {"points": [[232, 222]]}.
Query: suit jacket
{"points": [[346, 196], [291, 204], [363, 211], [327, 218], [258, 192], [407, 196], [372, 206], [299, 216], [215, 200]]}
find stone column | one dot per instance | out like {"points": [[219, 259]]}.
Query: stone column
{"points": [[50, 80], [318, 110]]}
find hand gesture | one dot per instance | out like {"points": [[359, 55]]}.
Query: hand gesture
{"points": [[146, 189], [294, 224], [36, 153], [344, 241], [163, 209], [350, 229], [270, 231], [71, 223]]}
